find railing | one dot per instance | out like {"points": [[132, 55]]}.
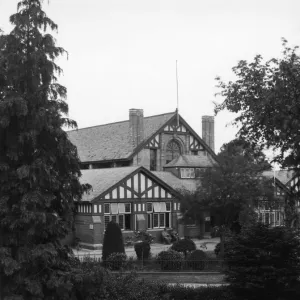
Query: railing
{"points": [[158, 265]]}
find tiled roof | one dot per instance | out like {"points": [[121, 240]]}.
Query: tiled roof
{"points": [[283, 175], [103, 179], [176, 183], [112, 141], [200, 161]]}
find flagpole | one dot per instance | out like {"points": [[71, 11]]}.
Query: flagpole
{"points": [[177, 95]]}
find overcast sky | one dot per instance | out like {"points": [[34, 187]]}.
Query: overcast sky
{"points": [[122, 53]]}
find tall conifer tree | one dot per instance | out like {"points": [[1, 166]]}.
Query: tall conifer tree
{"points": [[39, 166]]}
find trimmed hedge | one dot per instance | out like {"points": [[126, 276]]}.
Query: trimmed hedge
{"points": [[196, 260], [170, 260], [116, 261], [184, 246]]}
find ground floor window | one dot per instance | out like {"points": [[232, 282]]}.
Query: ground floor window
{"points": [[158, 214], [270, 217], [119, 213], [159, 220]]}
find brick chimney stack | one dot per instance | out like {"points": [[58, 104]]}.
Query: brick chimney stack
{"points": [[136, 126], [208, 131]]}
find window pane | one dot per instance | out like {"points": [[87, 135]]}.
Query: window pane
{"points": [[153, 159], [114, 218], [127, 221], [149, 207], [149, 216], [127, 207], [267, 221], [168, 225], [106, 208], [121, 221], [155, 220], [178, 206], [192, 173], [168, 206], [95, 209], [161, 220]]}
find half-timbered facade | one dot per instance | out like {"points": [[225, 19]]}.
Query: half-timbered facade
{"points": [[133, 197], [127, 165], [137, 169]]}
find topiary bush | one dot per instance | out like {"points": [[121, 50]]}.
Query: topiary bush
{"points": [[263, 263], [197, 260], [142, 250], [113, 240], [116, 261], [184, 246], [170, 260]]}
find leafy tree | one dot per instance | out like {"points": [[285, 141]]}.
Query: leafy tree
{"points": [[112, 241], [39, 166], [232, 190], [263, 263], [266, 96]]}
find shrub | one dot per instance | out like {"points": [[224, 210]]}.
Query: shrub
{"points": [[142, 250], [263, 263], [113, 240], [116, 261], [170, 260], [184, 246], [217, 249], [144, 236], [196, 260]]}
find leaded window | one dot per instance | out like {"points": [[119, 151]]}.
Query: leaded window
{"points": [[173, 151]]}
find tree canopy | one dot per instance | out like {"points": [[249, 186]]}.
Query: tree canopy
{"points": [[236, 185], [39, 166], [266, 97]]}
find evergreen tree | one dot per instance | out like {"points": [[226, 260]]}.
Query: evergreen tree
{"points": [[113, 240], [39, 166]]}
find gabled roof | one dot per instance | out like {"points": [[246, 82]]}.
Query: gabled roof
{"points": [[196, 161], [112, 141], [103, 180]]}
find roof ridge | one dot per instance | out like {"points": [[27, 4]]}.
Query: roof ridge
{"points": [[118, 122]]}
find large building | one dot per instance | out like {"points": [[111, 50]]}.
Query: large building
{"points": [[138, 169]]}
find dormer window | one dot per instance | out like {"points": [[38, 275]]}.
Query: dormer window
{"points": [[187, 172]]}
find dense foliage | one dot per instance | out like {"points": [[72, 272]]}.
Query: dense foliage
{"points": [[142, 250], [39, 167], [170, 260], [116, 261], [265, 96], [196, 260], [263, 263], [184, 246], [91, 281], [113, 240]]}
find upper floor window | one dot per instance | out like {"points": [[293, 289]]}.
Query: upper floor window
{"points": [[173, 151], [187, 172], [153, 159]]}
